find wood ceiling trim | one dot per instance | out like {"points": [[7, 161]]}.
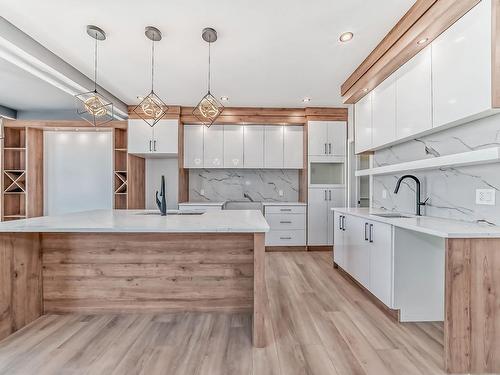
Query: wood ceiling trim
{"points": [[437, 19], [403, 25], [63, 124]]}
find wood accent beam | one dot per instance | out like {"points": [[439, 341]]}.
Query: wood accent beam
{"points": [[136, 177], [62, 124], [472, 306], [173, 112], [426, 19], [183, 194], [326, 114], [259, 291], [34, 172]]}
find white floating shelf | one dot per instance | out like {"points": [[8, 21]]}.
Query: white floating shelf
{"points": [[484, 156]]}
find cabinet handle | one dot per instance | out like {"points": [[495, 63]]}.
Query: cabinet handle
{"points": [[154, 145], [343, 223], [150, 145], [371, 232], [326, 198], [285, 238], [285, 209], [340, 222], [285, 222], [366, 235], [325, 149], [329, 148], [330, 195]]}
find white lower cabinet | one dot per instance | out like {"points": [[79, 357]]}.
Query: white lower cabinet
{"points": [[320, 215], [287, 223], [364, 249]]}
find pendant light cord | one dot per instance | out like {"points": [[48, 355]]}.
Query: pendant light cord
{"points": [[152, 63], [209, 43], [95, 64]]}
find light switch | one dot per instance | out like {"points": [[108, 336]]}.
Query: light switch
{"points": [[280, 193], [485, 196]]}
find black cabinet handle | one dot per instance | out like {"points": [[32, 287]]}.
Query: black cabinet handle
{"points": [[340, 222], [154, 145], [343, 223], [326, 196], [285, 222], [150, 145], [285, 209], [371, 232], [366, 235], [329, 148], [285, 238], [330, 195]]}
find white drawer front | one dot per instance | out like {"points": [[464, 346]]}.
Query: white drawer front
{"points": [[285, 210], [190, 207], [286, 221], [286, 238]]}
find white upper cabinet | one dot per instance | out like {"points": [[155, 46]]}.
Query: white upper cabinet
{"points": [[273, 147], [414, 95], [193, 146], [140, 137], [363, 123], [159, 139], [213, 146], [461, 67], [384, 112], [233, 146], [337, 138], [166, 137], [293, 147], [318, 138], [253, 146]]}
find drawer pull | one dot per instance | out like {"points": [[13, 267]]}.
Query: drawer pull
{"points": [[285, 238], [285, 222], [285, 209]]}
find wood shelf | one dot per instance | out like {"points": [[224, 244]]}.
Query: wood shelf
{"points": [[120, 169], [477, 157]]}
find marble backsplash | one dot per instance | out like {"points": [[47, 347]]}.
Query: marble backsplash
{"points": [[451, 191], [256, 185]]}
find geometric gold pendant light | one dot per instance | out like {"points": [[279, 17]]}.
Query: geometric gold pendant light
{"points": [[92, 106], [208, 109], [152, 109]]}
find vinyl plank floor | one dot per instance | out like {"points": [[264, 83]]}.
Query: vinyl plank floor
{"points": [[318, 323]]}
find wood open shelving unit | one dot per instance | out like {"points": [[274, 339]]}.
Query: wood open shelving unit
{"points": [[22, 173], [120, 169]]}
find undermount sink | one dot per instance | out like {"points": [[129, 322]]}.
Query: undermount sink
{"points": [[393, 215], [169, 213]]}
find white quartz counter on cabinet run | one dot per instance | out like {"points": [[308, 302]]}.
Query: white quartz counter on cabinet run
{"points": [[132, 221], [445, 228]]}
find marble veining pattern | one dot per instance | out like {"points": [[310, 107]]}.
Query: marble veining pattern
{"points": [[451, 191], [256, 185]]}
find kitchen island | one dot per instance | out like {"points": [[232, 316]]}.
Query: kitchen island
{"points": [[132, 261]]}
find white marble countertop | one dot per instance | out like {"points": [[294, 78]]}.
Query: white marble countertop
{"points": [[446, 228], [202, 203], [133, 221], [284, 204]]}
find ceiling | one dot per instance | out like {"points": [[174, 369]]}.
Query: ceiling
{"points": [[269, 53]]}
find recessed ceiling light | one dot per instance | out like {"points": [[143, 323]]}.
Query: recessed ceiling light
{"points": [[224, 98], [345, 37], [306, 100], [422, 41]]}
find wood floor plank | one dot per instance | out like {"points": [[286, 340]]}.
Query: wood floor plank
{"points": [[318, 323]]}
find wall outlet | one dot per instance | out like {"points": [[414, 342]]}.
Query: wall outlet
{"points": [[384, 194], [485, 196], [280, 193]]}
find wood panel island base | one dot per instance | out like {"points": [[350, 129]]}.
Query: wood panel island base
{"points": [[127, 262]]}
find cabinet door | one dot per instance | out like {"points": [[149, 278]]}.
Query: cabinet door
{"points": [[461, 67], [140, 137], [318, 138], [233, 146], [193, 146], [293, 147], [384, 112], [381, 262], [165, 136], [336, 198], [273, 147], [337, 138], [414, 95], [338, 243], [363, 124], [317, 224], [357, 255], [253, 146], [213, 141]]}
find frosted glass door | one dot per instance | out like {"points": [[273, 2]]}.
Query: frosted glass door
{"points": [[78, 172]]}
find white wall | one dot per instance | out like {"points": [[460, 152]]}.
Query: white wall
{"points": [[155, 168], [78, 171]]}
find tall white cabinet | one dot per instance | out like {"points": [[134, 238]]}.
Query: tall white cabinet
{"points": [[327, 138]]}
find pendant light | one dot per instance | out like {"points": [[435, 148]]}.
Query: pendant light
{"points": [[208, 109], [152, 109], [92, 106]]}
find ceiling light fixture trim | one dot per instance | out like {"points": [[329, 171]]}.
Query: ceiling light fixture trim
{"points": [[92, 106], [152, 108], [209, 108], [346, 37]]}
